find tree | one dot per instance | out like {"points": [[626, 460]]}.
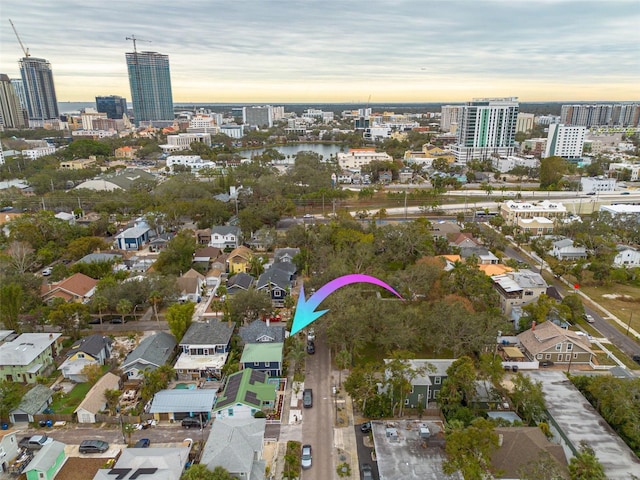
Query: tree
{"points": [[112, 397], [179, 317], [343, 360], [469, 450], [551, 171], [176, 258], [585, 465], [247, 305], [155, 380], [544, 467], [124, 307], [99, 303], [361, 384], [458, 388], [201, 472], [528, 399], [70, 317], [93, 372], [11, 298], [155, 299], [21, 257], [10, 397]]}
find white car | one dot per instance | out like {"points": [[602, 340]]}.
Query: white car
{"points": [[47, 271], [589, 318]]}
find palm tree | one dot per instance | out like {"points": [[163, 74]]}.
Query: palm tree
{"points": [[100, 302], [155, 298], [124, 307]]}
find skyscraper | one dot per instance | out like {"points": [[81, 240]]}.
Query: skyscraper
{"points": [[40, 93], [486, 127], [150, 82], [113, 105], [11, 113], [565, 141]]}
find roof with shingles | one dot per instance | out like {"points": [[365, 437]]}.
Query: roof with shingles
{"points": [[276, 277], [259, 332], [547, 335], [93, 345], [100, 257], [280, 253], [78, 284], [213, 332], [225, 230], [95, 400], [35, 399], [240, 280], [156, 350]]}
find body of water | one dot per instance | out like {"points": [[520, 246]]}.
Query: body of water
{"points": [[323, 149]]}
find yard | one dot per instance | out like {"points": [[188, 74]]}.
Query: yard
{"points": [[621, 300], [67, 403]]}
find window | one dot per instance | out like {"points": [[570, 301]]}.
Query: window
{"points": [[406, 401], [559, 357], [569, 346], [230, 412], [547, 356], [539, 356], [81, 355], [575, 355], [528, 293], [558, 347], [256, 364], [437, 380], [267, 364]]}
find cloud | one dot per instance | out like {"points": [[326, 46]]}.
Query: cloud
{"points": [[387, 44]]}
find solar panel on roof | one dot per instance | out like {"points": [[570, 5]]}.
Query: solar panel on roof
{"points": [[251, 397]]}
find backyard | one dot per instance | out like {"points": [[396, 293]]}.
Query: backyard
{"points": [[68, 402]]}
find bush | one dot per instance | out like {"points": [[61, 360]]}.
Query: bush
{"points": [[259, 414]]}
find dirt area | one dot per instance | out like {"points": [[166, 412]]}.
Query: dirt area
{"points": [[621, 300], [81, 468]]}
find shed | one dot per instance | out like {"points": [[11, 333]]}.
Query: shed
{"points": [[35, 401], [47, 462], [95, 400]]}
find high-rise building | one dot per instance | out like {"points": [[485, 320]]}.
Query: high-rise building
{"points": [[150, 82], [486, 127], [40, 93], [565, 141], [11, 113], [524, 122], [260, 116], [113, 105], [601, 114], [448, 116]]}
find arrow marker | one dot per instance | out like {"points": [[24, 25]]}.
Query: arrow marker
{"points": [[306, 309]]}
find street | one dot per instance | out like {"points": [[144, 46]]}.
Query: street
{"points": [[317, 427]]}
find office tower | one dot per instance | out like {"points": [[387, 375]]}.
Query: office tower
{"points": [[448, 116], [40, 93], [150, 82], [565, 141], [113, 105], [486, 128], [11, 113], [524, 122], [260, 116]]}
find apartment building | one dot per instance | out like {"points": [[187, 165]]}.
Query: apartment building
{"points": [[565, 141], [512, 211]]}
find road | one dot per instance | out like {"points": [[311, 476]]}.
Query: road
{"points": [[365, 452], [317, 426]]}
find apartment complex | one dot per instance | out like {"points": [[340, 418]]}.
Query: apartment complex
{"points": [[601, 114], [356, 158], [513, 211], [565, 141], [258, 116], [114, 106], [524, 122], [40, 93], [11, 112], [150, 82], [486, 128], [449, 115]]}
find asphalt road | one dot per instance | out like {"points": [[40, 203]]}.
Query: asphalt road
{"points": [[317, 425], [364, 452]]}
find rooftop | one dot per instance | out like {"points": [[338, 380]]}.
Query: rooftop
{"points": [[26, 348], [170, 401], [262, 352]]}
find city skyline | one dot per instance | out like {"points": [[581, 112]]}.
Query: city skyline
{"points": [[291, 51]]}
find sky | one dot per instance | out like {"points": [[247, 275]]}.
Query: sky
{"points": [[268, 51]]}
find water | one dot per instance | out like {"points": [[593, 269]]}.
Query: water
{"points": [[325, 150]]}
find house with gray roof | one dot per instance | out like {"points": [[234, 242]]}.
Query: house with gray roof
{"points": [[276, 283], [99, 257], [225, 236], [158, 463], [236, 444], [238, 282], [133, 238], [95, 401], [516, 289], [28, 356], [427, 382], [121, 180], [204, 349], [564, 249], [285, 254], [35, 401], [177, 404], [260, 331], [151, 353]]}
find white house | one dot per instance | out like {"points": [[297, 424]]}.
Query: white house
{"points": [[225, 236], [626, 257], [95, 401], [564, 249]]}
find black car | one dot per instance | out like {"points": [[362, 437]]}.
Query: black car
{"points": [[307, 398], [117, 320], [93, 446], [636, 358], [367, 471], [192, 422], [365, 427], [311, 348]]}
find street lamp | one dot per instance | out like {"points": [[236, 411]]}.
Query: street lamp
{"points": [[135, 308]]}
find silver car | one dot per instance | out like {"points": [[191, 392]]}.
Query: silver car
{"points": [[306, 456]]}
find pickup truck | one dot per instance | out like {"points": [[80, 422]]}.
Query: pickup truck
{"points": [[36, 442]]}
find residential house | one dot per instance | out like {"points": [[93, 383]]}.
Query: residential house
{"points": [[277, 283], [8, 449], [76, 288], [47, 462], [225, 236], [245, 393], [262, 240], [177, 404], [133, 238], [99, 257], [521, 448], [564, 249], [238, 282], [266, 357], [626, 257], [426, 385], [518, 288], [236, 445], [484, 256], [95, 402], [206, 256], [35, 401], [190, 286], [285, 255], [547, 342], [239, 260], [159, 243], [260, 331], [204, 349], [29, 356], [462, 240], [163, 463], [151, 353], [203, 237], [91, 350]]}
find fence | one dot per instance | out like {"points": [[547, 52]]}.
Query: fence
{"points": [[55, 417]]}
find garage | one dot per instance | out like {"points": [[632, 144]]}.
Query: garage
{"points": [[20, 417]]}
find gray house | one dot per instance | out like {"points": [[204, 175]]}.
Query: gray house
{"points": [[259, 331], [225, 236], [240, 281], [276, 283], [427, 383], [34, 402], [151, 353], [204, 349], [241, 452], [564, 249]]}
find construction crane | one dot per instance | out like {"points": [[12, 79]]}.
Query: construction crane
{"points": [[25, 50], [134, 40]]}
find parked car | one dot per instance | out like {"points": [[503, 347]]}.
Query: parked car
{"points": [[118, 320], [47, 271], [311, 335], [367, 471], [365, 427], [306, 456], [35, 442], [636, 358], [307, 398], [142, 443], [311, 348], [589, 318], [192, 422], [93, 446]]}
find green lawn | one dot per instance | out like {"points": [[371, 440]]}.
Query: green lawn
{"points": [[69, 402], [626, 302]]}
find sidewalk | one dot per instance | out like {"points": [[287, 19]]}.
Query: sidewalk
{"points": [[344, 434]]}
